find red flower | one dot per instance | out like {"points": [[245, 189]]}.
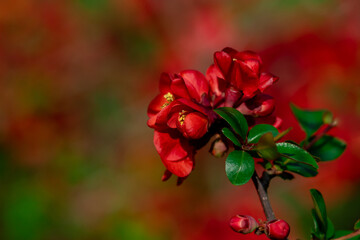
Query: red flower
{"points": [[241, 70], [183, 110], [179, 113]]}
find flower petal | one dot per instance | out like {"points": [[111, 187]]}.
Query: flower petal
{"points": [[232, 97], [259, 106], [171, 146], [156, 105], [248, 55], [196, 83], [179, 88], [223, 61], [266, 80], [232, 52], [216, 80], [166, 176], [180, 168], [175, 152], [194, 126], [251, 59], [243, 78], [164, 83]]}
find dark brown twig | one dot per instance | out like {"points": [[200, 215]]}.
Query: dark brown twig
{"points": [[264, 199]]}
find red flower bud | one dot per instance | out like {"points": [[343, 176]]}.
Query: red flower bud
{"points": [[277, 229], [243, 224]]}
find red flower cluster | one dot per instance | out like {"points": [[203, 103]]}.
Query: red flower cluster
{"points": [[183, 111]]}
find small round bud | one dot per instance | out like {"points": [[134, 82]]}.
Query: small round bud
{"points": [[277, 229], [218, 148], [243, 224]]}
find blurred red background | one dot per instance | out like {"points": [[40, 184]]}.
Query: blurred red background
{"points": [[76, 157]]}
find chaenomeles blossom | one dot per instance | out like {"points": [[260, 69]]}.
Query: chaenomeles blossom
{"points": [[179, 114], [236, 80], [182, 113]]}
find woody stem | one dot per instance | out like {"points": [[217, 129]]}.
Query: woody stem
{"points": [[264, 199]]}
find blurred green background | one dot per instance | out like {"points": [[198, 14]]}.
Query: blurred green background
{"points": [[76, 157]]}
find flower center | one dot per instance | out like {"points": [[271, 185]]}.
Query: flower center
{"points": [[182, 116], [169, 98]]}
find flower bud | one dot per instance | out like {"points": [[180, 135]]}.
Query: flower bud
{"points": [[218, 148], [277, 229], [243, 224]]}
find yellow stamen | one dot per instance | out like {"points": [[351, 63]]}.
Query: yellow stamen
{"points": [[182, 117], [169, 98]]}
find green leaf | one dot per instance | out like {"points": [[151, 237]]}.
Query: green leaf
{"points": [[266, 147], [239, 167], [292, 153], [310, 121], [258, 130], [330, 231], [235, 119], [357, 225], [328, 148], [320, 209], [231, 136], [302, 169], [316, 231], [341, 233]]}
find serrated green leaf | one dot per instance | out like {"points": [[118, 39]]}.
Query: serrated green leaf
{"points": [[357, 225], [292, 153], [258, 130], [231, 136], [320, 210], [236, 120], [328, 148], [239, 167], [310, 121]]}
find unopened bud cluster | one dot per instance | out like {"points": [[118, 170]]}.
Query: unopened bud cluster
{"points": [[276, 229]]}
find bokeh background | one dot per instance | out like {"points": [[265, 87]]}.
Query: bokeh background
{"points": [[76, 157]]}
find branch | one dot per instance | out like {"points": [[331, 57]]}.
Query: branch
{"points": [[269, 213], [266, 178], [351, 235]]}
